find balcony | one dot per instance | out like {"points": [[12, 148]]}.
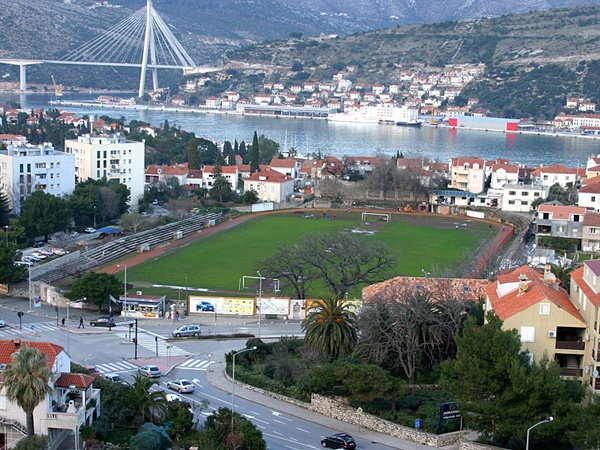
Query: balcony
{"points": [[570, 345], [569, 372], [65, 420]]}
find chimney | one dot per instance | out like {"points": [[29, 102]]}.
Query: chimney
{"points": [[17, 343], [522, 283]]}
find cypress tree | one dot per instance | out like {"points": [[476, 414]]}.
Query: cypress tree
{"points": [[254, 155]]}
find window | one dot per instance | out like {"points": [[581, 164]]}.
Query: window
{"points": [[512, 192], [545, 309], [593, 198], [466, 289], [525, 194], [511, 202], [527, 334], [593, 230], [536, 194]]}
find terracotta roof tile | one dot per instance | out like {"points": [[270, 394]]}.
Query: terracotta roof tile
{"points": [[537, 290], [390, 291], [79, 380], [8, 347]]}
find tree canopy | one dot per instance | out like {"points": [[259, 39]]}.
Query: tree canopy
{"points": [[499, 390], [43, 214], [96, 288]]}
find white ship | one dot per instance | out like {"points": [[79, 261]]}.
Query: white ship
{"points": [[354, 116]]}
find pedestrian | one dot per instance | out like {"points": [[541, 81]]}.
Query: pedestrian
{"points": [[81, 325], [176, 316], [62, 322]]}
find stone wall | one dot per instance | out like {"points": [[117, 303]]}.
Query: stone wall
{"points": [[339, 410]]}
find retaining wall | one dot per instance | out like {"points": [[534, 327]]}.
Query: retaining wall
{"points": [[339, 410]]}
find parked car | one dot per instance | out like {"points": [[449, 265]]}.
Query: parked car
{"points": [[205, 306], [38, 244], [103, 322], [181, 385], [90, 230], [93, 371], [115, 378], [187, 330], [39, 255], [340, 440], [155, 202], [149, 371], [2, 323]]}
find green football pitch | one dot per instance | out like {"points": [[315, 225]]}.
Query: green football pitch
{"points": [[218, 261]]}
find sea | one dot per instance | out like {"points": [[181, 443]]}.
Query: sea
{"points": [[339, 139]]}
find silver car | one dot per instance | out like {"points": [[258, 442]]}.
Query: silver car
{"points": [[187, 330]]}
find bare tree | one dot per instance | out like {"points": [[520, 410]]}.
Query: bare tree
{"points": [[411, 333], [383, 174], [339, 260], [109, 204]]}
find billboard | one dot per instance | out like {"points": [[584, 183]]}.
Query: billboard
{"points": [[241, 306], [273, 305]]}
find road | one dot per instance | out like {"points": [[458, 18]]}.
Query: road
{"points": [[113, 352]]}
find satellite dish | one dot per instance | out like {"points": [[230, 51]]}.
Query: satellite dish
{"points": [[595, 373]]}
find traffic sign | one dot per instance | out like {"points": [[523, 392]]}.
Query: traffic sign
{"points": [[32, 327], [417, 424]]}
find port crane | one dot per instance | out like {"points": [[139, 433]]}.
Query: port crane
{"points": [[58, 88]]}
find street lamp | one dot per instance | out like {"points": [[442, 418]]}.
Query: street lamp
{"points": [[233, 378], [546, 420], [124, 289], [260, 278]]}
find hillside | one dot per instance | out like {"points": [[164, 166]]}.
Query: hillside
{"points": [[534, 60]]}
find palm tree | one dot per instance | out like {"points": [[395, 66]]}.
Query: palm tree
{"points": [[141, 405], [330, 327], [26, 381]]}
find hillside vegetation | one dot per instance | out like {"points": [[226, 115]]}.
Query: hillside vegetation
{"points": [[535, 61]]}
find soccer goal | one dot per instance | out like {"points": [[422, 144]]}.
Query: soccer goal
{"points": [[253, 283], [379, 216]]}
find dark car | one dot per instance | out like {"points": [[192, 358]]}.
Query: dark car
{"points": [[340, 440], [103, 322], [205, 306]]}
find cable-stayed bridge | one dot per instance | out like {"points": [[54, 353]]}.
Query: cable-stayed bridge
{"points": [[141, 40]]}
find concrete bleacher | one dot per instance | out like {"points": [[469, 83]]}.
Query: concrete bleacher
{"points": [[77, 263]]}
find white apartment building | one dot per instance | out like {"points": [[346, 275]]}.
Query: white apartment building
{"points": [[26, 168], [110, 156], [518, 197]]}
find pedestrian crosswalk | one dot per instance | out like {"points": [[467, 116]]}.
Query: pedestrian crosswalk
{"points": [[195, 364], [116, 367], [13, 330], [158, 345]]}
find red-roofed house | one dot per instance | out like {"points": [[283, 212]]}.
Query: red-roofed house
{"points": [[155, 174], [557, 173], [559, 221], [541, 311], [467, 174], [588, 195], [270, 185], [361, 165], [57, 415], [590, 235], [504, 174], [585, 295], [287, 166], [229, 172]]}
